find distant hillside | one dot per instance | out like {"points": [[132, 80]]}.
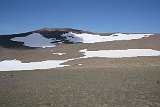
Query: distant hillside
{"points": [[5, 40]]}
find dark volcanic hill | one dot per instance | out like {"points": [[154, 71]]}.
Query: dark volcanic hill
{"points": [[5, 40], [50, 33]]}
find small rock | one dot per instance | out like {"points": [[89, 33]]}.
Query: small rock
{"points": [[158, 82], [47, 104], [12, 75]]}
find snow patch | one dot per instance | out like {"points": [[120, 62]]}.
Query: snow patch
{"points": [[120, 53], [35, 40], [58, 53], [16, 65]]}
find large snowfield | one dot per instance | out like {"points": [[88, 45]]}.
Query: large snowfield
{"points": [[35, 40], [38, 40], [90, 38]]}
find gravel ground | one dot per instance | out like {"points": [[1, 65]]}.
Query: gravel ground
{"points": [[83, 87]]}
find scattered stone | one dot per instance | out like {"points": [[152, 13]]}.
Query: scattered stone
{"points": [[158, 82], [47, 104], [3, 75]]}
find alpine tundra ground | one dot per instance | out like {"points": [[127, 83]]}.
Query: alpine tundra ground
{"points": [[82, 87], [87, 82]]}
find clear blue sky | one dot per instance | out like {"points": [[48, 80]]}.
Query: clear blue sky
{"points": [[18, 16]]}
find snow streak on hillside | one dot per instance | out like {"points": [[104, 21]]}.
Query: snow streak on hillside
{"points": [[90, 38], [16, 65], [120, 53]]}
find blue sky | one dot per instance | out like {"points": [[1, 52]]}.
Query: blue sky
{"points": [[18, 16]]}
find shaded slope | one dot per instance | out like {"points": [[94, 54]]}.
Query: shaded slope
{"points": [[6, 42]]}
